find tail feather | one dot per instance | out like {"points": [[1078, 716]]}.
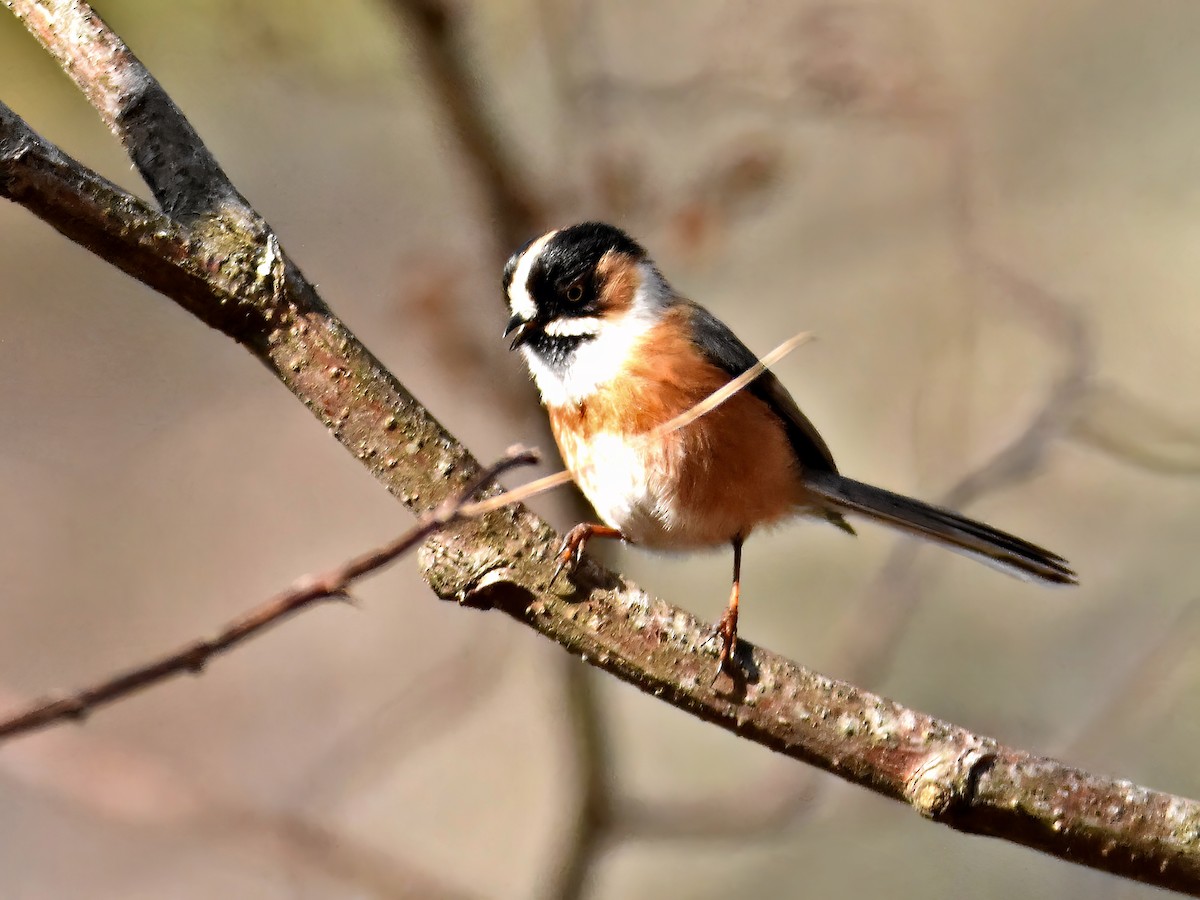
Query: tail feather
{"points": [[989, 545]]}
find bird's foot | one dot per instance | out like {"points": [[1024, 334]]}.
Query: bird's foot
{"points": [[726, 633], [570, 551]]}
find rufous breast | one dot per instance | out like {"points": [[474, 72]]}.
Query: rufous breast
{"points": [[721, 476]]}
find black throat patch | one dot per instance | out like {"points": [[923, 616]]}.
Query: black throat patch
{"points": [[554, 350]]}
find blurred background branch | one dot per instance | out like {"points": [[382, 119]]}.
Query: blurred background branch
{"points": [[436, 34]]}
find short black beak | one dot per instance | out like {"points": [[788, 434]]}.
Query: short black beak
{"points": [[520, 328]]}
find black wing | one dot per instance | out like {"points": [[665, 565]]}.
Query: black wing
{"points": [[723, 349]]}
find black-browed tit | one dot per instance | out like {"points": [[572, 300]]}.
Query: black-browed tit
{"points": [[616, 353]]}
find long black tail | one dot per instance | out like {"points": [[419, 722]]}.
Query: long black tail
{"points": [[983, 542]]}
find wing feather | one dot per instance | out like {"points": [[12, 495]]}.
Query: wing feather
{"points": [[722, 348]]}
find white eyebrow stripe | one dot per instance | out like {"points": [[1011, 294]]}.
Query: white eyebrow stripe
{"points": [[520, 301]]}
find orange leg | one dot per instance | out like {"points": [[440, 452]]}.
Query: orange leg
{"points": [[727, 627], [576, 540]]}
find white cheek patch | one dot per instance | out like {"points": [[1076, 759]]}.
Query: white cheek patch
{"points": [[519, 299], [604, 353], [595, 361], [572, 327]]}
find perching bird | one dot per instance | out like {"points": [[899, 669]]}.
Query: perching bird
{"points": [[616, 353]]}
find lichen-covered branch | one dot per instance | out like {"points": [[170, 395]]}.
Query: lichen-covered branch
{"points": [[176, 165], [226, 267]]}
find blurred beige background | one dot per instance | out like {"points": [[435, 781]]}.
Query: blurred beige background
{"points": [[858, 169]]}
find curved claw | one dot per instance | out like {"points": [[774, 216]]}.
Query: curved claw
{"points": [[570, 552], [726, 632], [727, 628]]}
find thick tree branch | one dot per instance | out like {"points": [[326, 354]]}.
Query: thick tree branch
{"points": [[184, 176], [944, 772]]}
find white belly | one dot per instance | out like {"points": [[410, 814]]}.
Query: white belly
{"points": [[638, 492], [631, 490]]}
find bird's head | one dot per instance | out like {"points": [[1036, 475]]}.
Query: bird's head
{"points": [[581, 300]]}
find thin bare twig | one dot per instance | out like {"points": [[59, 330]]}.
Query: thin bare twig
{"points": [[308, 591]]}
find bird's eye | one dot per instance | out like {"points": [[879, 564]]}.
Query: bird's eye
{"points": [[575, 292]]}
